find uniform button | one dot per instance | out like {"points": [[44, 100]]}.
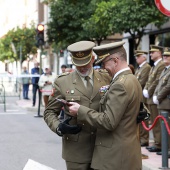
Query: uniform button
{"points": [[100, 143], [83, 124], [92, 133], [67, 138]]}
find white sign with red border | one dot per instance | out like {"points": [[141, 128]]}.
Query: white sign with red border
{"points": [[163, 6]]}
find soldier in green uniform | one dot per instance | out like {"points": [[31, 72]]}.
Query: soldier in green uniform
{"points": [[161, 95], [142, 73], [148, 91], [117, 145], [78, 138]]}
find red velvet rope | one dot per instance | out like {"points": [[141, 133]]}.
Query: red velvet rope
{"points": [[155, 121]]}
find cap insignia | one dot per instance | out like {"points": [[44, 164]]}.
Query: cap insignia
{"points": [[79, 54], [166, 49]]}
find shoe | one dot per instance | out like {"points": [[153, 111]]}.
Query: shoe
{"points": [[148, 147], [27, 98], [33, 105], [144, 156], [154, 149], [144, 144], [160, 153]]}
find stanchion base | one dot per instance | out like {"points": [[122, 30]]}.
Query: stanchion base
{"points": [[38, 116]]}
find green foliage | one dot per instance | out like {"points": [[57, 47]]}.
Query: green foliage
{"points": [[130, 16], [5, 52], [97, 26], [23, 39], [67, 19], [48, 1], [74, 20], [134, 16]]}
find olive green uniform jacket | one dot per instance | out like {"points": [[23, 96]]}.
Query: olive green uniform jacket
{"points": [[163, 90], [75, 148], [117, 145], [142, 75], [153, 80]]}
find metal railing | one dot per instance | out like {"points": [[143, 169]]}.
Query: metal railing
{"points": [[12, 87], [2, 96]]}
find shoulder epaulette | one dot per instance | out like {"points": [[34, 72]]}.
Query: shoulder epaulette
{"points": [[121, 78], [103, 71], [63, 74]]}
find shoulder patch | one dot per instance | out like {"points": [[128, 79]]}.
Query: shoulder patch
{"points": [[64, 74], [121, 78], [103, 71]]}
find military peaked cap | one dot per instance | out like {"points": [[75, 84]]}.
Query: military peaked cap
{"points": [[81, 52], [156, 48], [166, 51], [140, 52], [106, 50]]}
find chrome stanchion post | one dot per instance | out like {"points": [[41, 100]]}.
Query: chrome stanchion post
{"points": [[164, 141]]}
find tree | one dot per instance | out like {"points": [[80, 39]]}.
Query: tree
{"points": [[75, 20], [18, 39], [97, 26], [67, 19], [132, 16]]}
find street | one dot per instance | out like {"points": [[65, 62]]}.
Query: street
{"points": [[24, 137]]}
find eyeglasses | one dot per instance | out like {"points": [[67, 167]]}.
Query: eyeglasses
{"points": [[166, 55], [104, 62]]}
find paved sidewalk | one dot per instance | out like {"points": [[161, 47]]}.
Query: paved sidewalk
{"points": [[154, 161], [27, 104]]}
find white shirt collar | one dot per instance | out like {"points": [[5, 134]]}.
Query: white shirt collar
{"points": [[142, 64], [156, 62], [120, 71]]}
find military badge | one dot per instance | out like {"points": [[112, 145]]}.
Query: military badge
{"points": [[103, 89]]}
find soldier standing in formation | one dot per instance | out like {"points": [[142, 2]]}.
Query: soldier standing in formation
{"points": [[117, 145], [148, 91], [161, 95], [142, 73], [78, 137]]}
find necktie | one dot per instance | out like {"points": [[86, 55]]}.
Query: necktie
{"points": [[89, 86], [165, 69]]}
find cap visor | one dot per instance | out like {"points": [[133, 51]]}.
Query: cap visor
{"points": [[81, 62]]}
